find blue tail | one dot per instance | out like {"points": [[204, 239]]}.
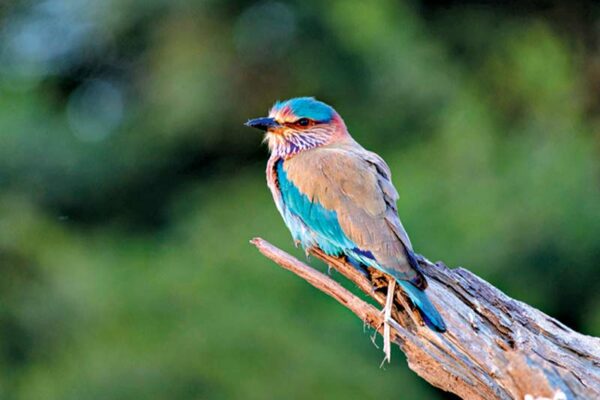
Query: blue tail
{"points": [[430, 315]]}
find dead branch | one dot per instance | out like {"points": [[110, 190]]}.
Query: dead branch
{"points": [[495, 347]]}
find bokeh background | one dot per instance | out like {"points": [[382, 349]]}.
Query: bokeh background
{"points": [[129, 187]]}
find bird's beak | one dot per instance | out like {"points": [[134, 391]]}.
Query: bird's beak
{"points": [[263, 124]]}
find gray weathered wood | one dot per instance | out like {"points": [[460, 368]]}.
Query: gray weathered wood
{"points": [[495, 347]]}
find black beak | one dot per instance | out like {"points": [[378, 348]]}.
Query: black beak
{"points": [[262, 123]]}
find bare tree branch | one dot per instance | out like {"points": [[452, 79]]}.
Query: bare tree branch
{"points": [[495, 347]]}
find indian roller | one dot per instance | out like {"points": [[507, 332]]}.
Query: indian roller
{"points": [[335, 195]]}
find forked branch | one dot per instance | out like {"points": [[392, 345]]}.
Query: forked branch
{"points": [[495, 347]]}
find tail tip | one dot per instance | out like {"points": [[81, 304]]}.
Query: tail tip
{"points": [[428, 312], [436, 324]]}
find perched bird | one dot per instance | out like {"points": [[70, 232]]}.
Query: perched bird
{"points": [[335, 195]]}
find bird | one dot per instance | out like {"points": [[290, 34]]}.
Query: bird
{"points": [[335, 195]]}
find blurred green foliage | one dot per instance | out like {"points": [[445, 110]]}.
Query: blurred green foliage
{"points": [[130, 188]]}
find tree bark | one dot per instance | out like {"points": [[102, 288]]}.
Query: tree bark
{"points": [[495, 347]]}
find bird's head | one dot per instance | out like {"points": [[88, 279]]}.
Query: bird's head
{"points": [[300, 124]]}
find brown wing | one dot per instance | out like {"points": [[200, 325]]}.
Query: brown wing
{"points": [[356, 184]]}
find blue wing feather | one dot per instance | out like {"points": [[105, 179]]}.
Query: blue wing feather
{"points": [[312, 224], [324, 229]]}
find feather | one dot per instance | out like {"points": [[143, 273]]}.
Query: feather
{"points": [[346, 179]]}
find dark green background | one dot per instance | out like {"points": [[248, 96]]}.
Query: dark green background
{"points": [[129, 187]]}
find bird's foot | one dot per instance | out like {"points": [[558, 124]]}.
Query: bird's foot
{"points": [[306, 251], [387, 316], [358, 266]]}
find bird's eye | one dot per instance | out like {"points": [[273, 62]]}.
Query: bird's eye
{"points": [[303, 122]]}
